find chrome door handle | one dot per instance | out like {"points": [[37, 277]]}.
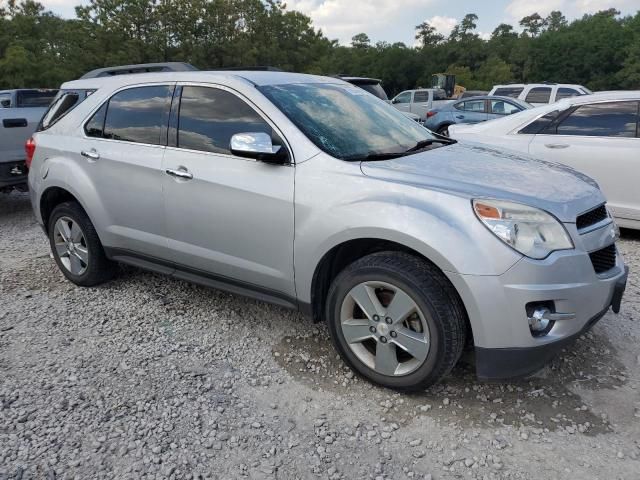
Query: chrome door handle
{"points": [[460, 116], [557, 146], [179, 173], [90, 154]]}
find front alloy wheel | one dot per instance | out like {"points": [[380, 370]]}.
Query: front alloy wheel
{"points": [[385, 328]]}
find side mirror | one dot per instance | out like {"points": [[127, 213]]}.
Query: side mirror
{"points": [[257, 145], [5, 103]]}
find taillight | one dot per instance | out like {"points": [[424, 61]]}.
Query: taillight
{"points": [[431, 113], [30, 148]]}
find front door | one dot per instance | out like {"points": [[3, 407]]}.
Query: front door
{"points": [[228, 218]]}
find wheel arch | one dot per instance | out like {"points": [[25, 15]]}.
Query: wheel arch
{"points": [[347, 252]]}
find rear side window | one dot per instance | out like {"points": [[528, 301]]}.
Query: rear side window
{"points": [[209, 117], [540, 124], [439, 95], [139, 115], [539, 95], [567, 93], [512, 92], [614, 119], [35, 98], [477, 106], [421, 97]]}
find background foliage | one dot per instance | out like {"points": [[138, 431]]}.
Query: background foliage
{"points": [[39, 49]]}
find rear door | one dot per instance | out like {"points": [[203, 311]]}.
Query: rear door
{"points": [[229, 218], [122, 150], [601, 140]]}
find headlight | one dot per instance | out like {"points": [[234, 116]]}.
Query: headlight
{"points": [[531, 231]]}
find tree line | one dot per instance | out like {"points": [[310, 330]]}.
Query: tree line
{"points": [[40, 49]]}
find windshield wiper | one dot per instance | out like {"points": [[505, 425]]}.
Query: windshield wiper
{"points": [[427, 143]]}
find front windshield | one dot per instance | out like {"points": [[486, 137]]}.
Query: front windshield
{"points": [[345, 121]]}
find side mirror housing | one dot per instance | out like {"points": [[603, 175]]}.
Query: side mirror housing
{"points": [[257, 145], [5, 103]]}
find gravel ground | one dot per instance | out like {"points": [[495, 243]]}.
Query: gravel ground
{"points": [[150, 377]]}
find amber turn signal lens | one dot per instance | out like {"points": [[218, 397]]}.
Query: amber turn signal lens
{"points": [[487, 211]]}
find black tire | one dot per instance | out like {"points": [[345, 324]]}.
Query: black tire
{"points": [[99, 268], [432, 293], [443, 130]]}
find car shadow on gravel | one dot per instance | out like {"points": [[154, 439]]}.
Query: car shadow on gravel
{"points": [[543, 402]]}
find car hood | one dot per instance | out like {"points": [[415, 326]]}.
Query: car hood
{"points": [[478, 171]]}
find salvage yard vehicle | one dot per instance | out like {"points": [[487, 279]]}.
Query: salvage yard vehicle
{"points": [[538, 94], [420, 101], [596, 134], [20, 112], [472, 110], [310, 193]]}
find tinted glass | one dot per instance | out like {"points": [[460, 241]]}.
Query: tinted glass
{"points": [[209, 117], [474, 106], [500, 107], [540, 124], [567, 93], [94, 127], [539, 95], [139, 114], [35, 98], [512, 92], [403, 98], [439, 95], [421, 97], [344, 121], [375, 89], [615, 119]]}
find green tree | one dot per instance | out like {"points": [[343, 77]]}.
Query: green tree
{"points": [[533, 24], [361, 40], [428, 35]]}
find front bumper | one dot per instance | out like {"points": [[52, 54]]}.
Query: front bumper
{"points": [[509, 363], [497, 304], [13, 174]]}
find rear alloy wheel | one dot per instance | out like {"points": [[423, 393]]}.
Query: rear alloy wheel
{"points": [[396, 320], [76, 247]]}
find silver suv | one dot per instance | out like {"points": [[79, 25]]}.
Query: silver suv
{"points": [[309, 192]]}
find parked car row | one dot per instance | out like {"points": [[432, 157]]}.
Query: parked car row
{"points": [[308, 192], [595, 134]]}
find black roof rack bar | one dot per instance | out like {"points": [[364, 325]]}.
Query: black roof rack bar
{"points": [[256, 68], [140, 68]]}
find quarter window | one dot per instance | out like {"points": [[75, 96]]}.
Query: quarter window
{"points": [[209, 117], [95, 126], [539, 95], [139, 115], [613, 119], [542, 123]]}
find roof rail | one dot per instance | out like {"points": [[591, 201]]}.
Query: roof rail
{"points": [[256, 68], [140, 68]]}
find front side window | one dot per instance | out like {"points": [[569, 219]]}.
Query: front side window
{"points": [[5, 100], [403, 98], [539, 95], [209, 117], [421, 96], [512, 92], [500, 107], [345, 122], [614, 119], [139, 115]]}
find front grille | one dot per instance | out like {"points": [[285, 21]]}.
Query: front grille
{"points": [[603, 260], [591, 217]]}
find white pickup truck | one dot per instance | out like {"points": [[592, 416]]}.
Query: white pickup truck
{"points": [[20, 113], [420, 101]]}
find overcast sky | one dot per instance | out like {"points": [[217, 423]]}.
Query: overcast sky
{"points": [[394, 20]]}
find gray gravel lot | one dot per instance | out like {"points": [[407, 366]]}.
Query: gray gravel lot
{"points": [[150, 377]]}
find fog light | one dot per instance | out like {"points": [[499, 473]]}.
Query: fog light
{"points": [[541, 322]]}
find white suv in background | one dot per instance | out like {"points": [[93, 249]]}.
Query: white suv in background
{"points": [[539, 93]]}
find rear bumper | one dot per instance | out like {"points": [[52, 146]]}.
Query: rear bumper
{"points": [[509, 363], [13, 174]]}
